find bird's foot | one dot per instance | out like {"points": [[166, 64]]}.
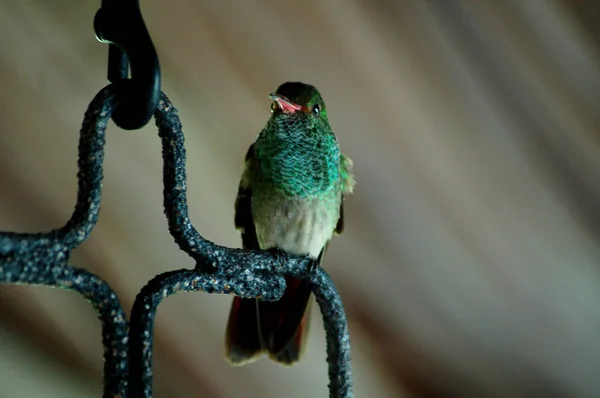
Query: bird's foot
{"points": [[312, 267], [281, 257]]}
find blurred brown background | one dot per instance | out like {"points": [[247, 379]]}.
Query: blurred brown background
{"points": [[470, 264]]}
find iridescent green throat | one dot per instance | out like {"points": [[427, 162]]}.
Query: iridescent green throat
{"points": [[298, 162]]}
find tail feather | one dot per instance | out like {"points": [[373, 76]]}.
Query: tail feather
{"points": [[242, 339], [282, 323], [280, 327], [294, 349]]}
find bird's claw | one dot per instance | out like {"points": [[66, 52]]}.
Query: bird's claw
{"points": [[281, 257], [312, 267]]}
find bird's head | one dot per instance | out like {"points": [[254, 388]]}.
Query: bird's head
{"points": [[299, 106]]}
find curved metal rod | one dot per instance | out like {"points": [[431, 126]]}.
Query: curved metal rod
{"points": [[42, 258], [249, 274], [237, 282]]}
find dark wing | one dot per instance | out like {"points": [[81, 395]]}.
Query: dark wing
{"points": [[243, 205], [242, 339], [339, 228], [284, 324], [347, 186]]}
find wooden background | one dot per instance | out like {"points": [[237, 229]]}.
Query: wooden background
{"points": [[470, 265]]}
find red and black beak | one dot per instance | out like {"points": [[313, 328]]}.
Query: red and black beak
{"points": [[285, 104]]}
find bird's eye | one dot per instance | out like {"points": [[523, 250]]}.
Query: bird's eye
{"points": [[316, 109], [274, 106]]}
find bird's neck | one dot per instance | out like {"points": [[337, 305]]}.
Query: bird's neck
{"points": [[298, 164]]}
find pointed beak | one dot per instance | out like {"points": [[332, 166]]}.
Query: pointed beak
{"points": [[285, 104]]}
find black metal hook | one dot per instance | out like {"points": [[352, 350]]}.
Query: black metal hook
{"points": [[120, 23]]}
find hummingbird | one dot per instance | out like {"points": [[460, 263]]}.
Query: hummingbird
{"points": [[290, 200]]}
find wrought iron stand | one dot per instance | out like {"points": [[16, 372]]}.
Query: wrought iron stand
{"points": [[43, 258]]}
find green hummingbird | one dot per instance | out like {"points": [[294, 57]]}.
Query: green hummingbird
{"points": [[290, 198]]}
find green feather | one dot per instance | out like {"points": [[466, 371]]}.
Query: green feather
{"points": [[297, 154]]}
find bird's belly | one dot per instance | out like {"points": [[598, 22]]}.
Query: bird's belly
{"points": [[300, 227]]}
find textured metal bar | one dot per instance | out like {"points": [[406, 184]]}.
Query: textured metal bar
{"points": [[219, 269], [42, 258]]}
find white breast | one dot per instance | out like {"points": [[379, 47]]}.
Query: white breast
{"points": [[299, 226]]}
